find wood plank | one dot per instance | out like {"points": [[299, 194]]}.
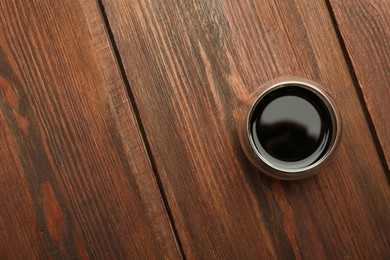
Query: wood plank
{"points": [[75, 178], [191, 65], [365, 28]]}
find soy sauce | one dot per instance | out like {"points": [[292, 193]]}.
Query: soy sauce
{"points": [[291, 127]]}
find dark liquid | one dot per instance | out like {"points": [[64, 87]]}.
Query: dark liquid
{"points": [[291, 127]]}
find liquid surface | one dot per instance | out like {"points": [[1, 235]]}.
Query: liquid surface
{"points": [[291, 127]]}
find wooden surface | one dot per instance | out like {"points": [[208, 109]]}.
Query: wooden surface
{"points": [[191, 65], [75, 178], [365, 28], [118, 130]]}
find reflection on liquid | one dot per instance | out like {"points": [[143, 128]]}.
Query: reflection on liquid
{"points": [[291, 128], [286, 141]]}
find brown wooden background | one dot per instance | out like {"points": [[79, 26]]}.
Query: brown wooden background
{"points": [[118, 129]]}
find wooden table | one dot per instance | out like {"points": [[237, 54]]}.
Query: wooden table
{"points": [[118, 129]]}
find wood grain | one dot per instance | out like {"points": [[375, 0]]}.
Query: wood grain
{"points": [[75, 178], [365, 28], [191, 65]]}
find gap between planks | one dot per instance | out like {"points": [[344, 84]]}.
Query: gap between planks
{"points": [[140, 123], [359, 93]]}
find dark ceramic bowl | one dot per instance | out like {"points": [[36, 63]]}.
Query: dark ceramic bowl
{"points": [[289, 128]]}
